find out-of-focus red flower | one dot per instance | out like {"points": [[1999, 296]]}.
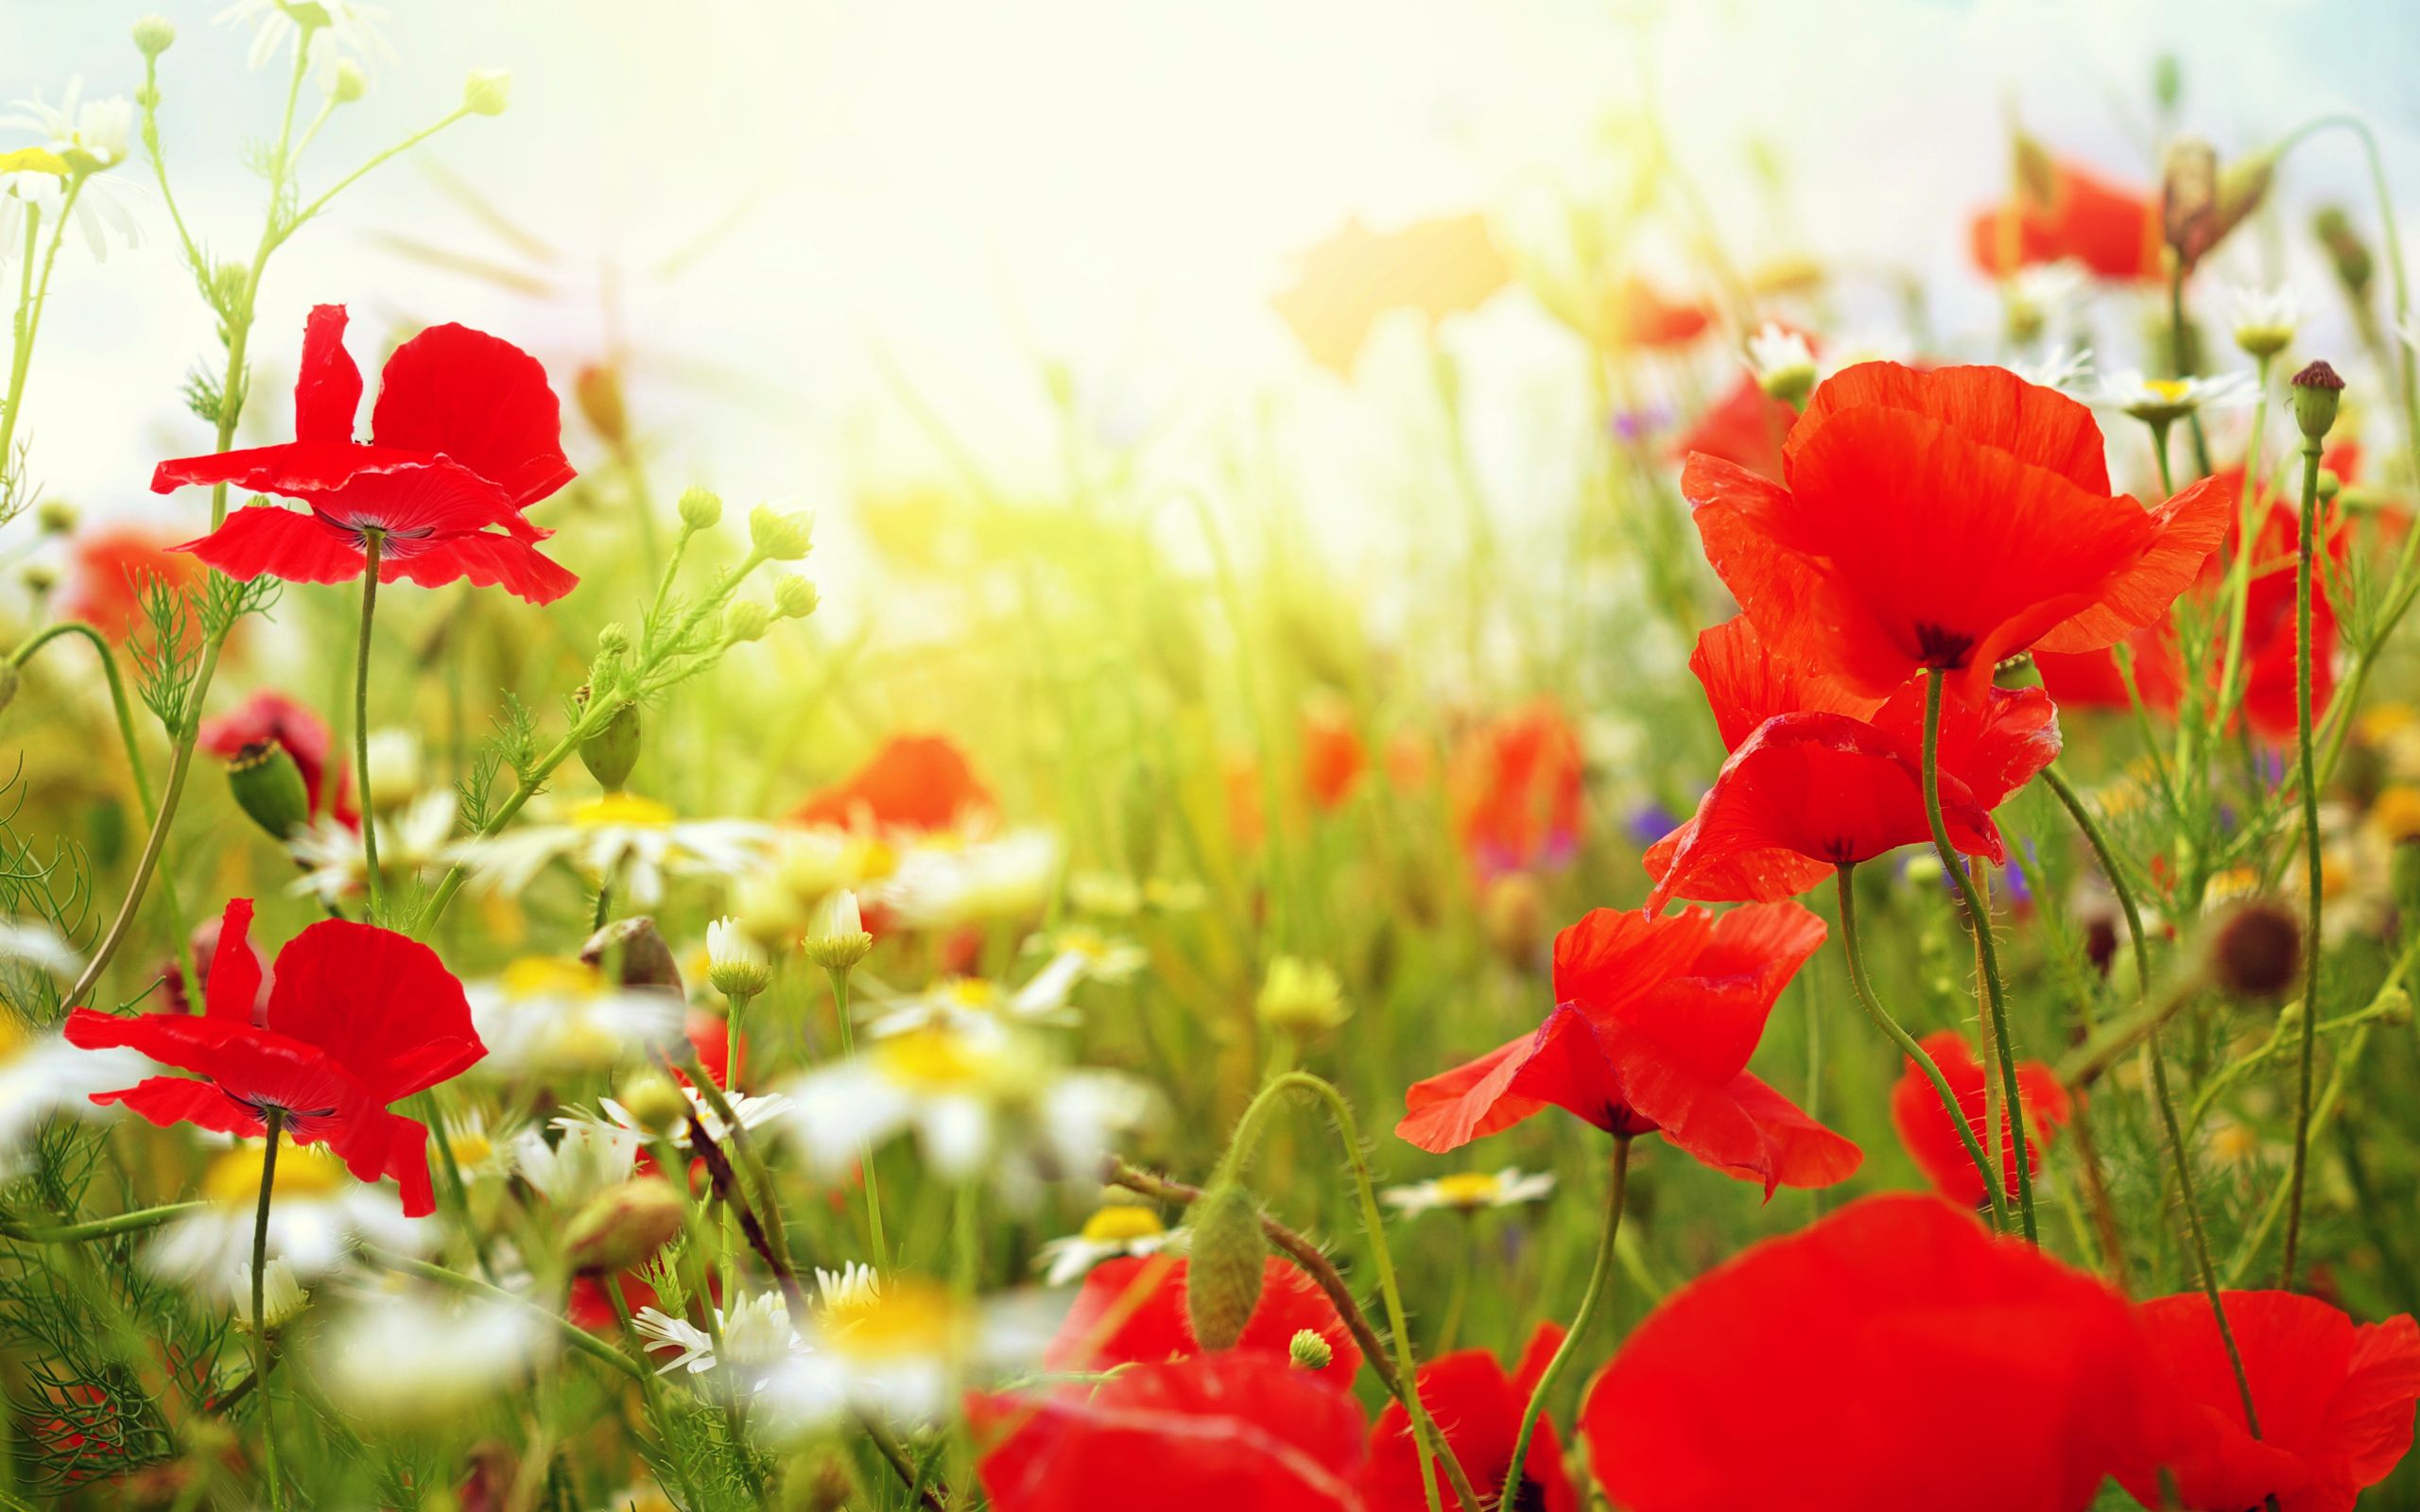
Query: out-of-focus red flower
{"points": [[1214, 1432], [1635, 314], [1333, 755], [710, 1037], [1131, 1310], [1746, 426], [918, 783], [1880, 1361], [2335, 1400], [357, 1018], [1655, 1023], [1924, 1128], [590, 1307], [2071, 213], [1479, 1408], [1821, 775], [279, 720], [1945, 520], [466, 435], [1517, 791], [107, 570]]}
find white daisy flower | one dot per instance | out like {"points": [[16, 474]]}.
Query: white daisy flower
{"points": [[1119, 1229], [586, 1157], [2042, 295], [895, 1351], [751, 1112], [35, 942], [316, 1215], [635, 840], [2163, 401], [1470, 1192], [1781, 362], [396, 773], [482, 1150], [340, 28], [81, 141], [757, 1336], [2064, 368], [968, 1004], [413, 1354], [941, 883], [2266, 320], [282, 1296], [550, 1015], [1106, 957], [411, 839]]}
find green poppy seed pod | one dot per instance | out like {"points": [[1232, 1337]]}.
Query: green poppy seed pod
{"points": [[701, 509], [623, 1226], [154, 35], [1308, 1351], [612, 751], [2317, 392], [488, 91], [1230, 1253], [795, 598], [781, 535], [268, 786], [632, 951], [2257, 951]]}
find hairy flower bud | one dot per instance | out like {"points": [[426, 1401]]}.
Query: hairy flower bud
{"points": [[2257, 951], [154, 35], [349, 83], [597, 390], [39, 577], [2317, 392], [649, 1097], [701, 509], [1222, 1281], [623, 1226], [2347, 253], [57, 517], [1302, 997], [488, 91], [781, 535], [1308, 1351], [269, 788]]}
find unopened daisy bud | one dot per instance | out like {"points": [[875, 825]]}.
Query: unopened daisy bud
{"points": [[781, 535], [623, 1226], [1783, 363], [1223, 1277], [746, 620], [795, 598], [269, 788], [1308, 1351], [2257, 952], [835, 938], [2317, 392], [348, 82], [56, 516], [488, 91], [1301, 996], [610, 754], [613, 640], [39, 577], [651, 1100], [701, 509], [282, 1296], [736, 966], [154, 35], [635, 949]]}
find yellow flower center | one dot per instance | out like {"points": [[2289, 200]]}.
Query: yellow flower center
{"points": [[551, 976], [970, 992], [624, 811], [930, 1059], [1468, 1188], [900, 1318], [33, 160], [308, 1171], [2397, 813], [472, 1146], [2167, 391], [2379, 721], [1122, 1223]]}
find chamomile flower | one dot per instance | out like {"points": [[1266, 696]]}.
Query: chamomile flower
{"points": [[736, 966], [1470, 1192], [81, 140], [482, 1149], [411, 839], [1782, 363], [36, 943], [635, 840], [318, 1212], [2041, 297], [585, 1158], [2265, 319], [282, 1296], [335, 29], [1103, 958], [969, 1003], [751, 1112], [757, 1336], [409, 1354], [396, 773], [893, 1349], [1119, 1229], [2062, 367], [2165, 401], [943, 881], [548, 1015]]}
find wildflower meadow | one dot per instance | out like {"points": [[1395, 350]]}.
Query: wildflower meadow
{"points": [[1320, 758]]}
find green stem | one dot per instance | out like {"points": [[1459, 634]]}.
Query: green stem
{"points": [[840, 979], [1617, 1189], [124, 710], [123, 1223], [730, 1080], [370, 542], [31, 299], [2247, 535], [1915, 1053], [273, 1126], [649, 1391], [1988, 953], [2310, 857]]}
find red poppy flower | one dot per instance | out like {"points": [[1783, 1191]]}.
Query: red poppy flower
{"points": [[1894, 1357], [1479, 1408], [1820, 775], [276, 719], [913, 782], [107, 570], [1333, 755], [1948, 519], [466, 435], [588, 1305], [1131, 1310], [2073, 214], [2335, 1400], [1216, 1433], [357, 1018], [1655, 1020], [1924, 1128], [1746, 426], [1636, 315], [1517, 791]]}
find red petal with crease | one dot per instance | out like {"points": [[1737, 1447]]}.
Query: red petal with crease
{"points": [[478, 400], [265, 540], [327, 389], [2188, 529], [1995, 744], [1479, 1408], [234, 989], [379, 1002], [1131, 1310]]}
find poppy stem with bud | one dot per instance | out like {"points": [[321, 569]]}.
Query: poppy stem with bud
{"points": [[273, 1128], [1980, 922], [371, 540], [1617, 1189]]}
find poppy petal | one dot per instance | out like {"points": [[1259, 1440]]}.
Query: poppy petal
{"points": [[480, 400], [486, 561], [327, 390], [2187, 530], [1746, 684], [1994, 745], [379, 1003], [1449, 1110], [167, 1101], [265, 540], [1990, 406], [233, 988]]}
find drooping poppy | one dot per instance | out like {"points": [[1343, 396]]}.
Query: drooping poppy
{"points": [[1211, 1432], [275, 719], [920, 782], [466, 435], [1131, 1310], [107, 570], [2064, 212], [1932, 1140], [1943, 520], [2335, 1400], [1344, 285], [355, 1018], [1894, 1357], [1478, 1407], [1517, 790], [1821, 776], [1655, 1023]]}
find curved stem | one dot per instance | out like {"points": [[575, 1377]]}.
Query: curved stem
{"points": [[2310, 857], [1914, 1052], [371, 541], [122, 1223], [274, 1126], [124, 710], [1616, 1189], [1988, 953]]}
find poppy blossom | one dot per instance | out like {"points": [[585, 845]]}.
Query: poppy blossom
{"points": [[1131, 1310], [107, 571], [355, 1017], [2061, 212], [1477, 1406], [1943, 520], [1931, 1140], [1516, 788], [465, 436], [1821, 776], [273, 719], [1655, 1023], [1746, 426], [1345, 283], [2335, 1400], [913, 782], [1880, 1361], [1209, 1434]]}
